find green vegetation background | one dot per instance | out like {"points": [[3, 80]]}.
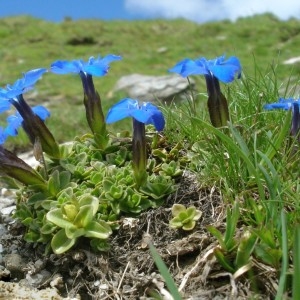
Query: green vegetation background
{"points": [[147, 47]]}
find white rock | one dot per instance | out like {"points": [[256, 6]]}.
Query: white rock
{"points": [[292, 60], [152, 88]]}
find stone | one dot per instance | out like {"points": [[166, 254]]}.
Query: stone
{"points": [[292, 60], [152, 88], [15, 264], [38, 279], [12, 290]]}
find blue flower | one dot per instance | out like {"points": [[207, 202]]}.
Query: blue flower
{"points": [[31, 119], [213, 71], [3, 135], [94, 66], [11, 93], [224, 70], [282, 103], [92, 102], [15, 121], [146, 113], [288, 104]]}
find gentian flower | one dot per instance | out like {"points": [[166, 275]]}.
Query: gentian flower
{"points": [[92, 102], [10, 94], [288, 104], [213, 70], [141, 115], [147, 113], [30, 119], [15, 121], [3, 135]]}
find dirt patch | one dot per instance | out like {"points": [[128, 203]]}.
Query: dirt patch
{"points": [[127, 270]]}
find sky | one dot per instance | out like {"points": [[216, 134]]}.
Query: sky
{"points": [[199, 11]]}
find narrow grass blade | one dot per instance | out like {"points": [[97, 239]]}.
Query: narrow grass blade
{"points": [[279, 139], [235, 149], [165, 273], [285, 259], [296, 263]]}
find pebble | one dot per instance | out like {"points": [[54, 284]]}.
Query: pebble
{"points": [[38, 279], [15, 264]]}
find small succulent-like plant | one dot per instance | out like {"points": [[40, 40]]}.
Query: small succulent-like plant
{"points": [[76, 218], [183, 217]]}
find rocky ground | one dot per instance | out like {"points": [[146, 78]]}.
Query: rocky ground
{"points": [[127, 270]]}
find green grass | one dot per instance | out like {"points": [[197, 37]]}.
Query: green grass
{"points": [[28, 43], [253, 165], [251, 162]]}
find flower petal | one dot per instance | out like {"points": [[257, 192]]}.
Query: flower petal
{"points": [[4, 105], [224, 73], [31, 77], [223, 70], [3, 135], [94, 66], [185, 67], [65, 67], [96, 70], [14, 123], [147, 113], [109, 58], [41, 111], [150, 114], [282, 103], [121, 110]]}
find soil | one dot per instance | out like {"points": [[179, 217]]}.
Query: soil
{"points": [[127, 270]]}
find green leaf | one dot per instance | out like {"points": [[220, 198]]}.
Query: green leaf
{"points": [[70, 211], [31, 237], [296, 264], [285, 258], [160, 153], [177, 209], [116, 192], [267, 236], [54, 183], [92, 201], [65, 195], [225, 262], [175, 223], [189, 225], [232, 218], [217, 234], [48, 228], [99, 230], [96, 177], [198, 215], [268, 255], [73, 232], [64, 179], [183, 216], [277, 141], [107, 184], [245, 249], [84, 216], [60, 243], [165, 273], [56, 216], [100, 245]]}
